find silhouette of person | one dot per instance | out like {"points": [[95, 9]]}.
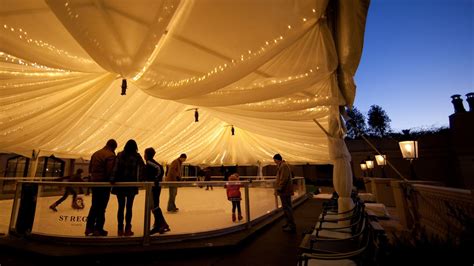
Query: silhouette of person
{"points": [[100, 169], [284, 189], [174, 173], [207, 177], [127, 168], [234, 196], [77, 177], [154, 172]]}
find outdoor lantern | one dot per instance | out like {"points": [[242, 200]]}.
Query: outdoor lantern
{"points": [[370, 164], [409, 149], [363, 167], [381, 159], [410, 152]]}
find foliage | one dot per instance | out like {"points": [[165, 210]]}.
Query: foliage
{"points": [[378, 120], [357, 122], [379, 126], [417, 133]]}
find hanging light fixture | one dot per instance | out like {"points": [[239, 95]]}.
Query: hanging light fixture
{"points": [[196, 115], [232, 130], [124, 87]]}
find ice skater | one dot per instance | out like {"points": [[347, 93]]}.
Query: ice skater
{"points": [[77, 177], [234, 196], [154, 172]]}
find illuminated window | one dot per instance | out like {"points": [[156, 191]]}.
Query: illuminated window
{"points": [[17, 166], [50, 167]]}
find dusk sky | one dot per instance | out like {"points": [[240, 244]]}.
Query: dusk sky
{"points": [[417, 53]]}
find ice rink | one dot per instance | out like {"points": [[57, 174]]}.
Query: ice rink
{"points": [[200, 210]]}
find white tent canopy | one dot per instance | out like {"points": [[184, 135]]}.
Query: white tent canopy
{"points": [[267, 68]]}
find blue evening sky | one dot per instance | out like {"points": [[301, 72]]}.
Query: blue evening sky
{"points": [[417, 53]]}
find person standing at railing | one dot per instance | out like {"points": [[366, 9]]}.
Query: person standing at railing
{"points": [[200, 175], [128, 167], [284, 189], [100, 169], [77, 177], [234, 196], [174, 174], [207, 177], [154, 172]]}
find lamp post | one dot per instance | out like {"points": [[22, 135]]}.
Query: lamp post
{"points": [[370, 165], [409, 151], [381, 161], [363, 167]]}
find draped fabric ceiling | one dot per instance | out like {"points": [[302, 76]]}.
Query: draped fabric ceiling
{"points": [[265, 67]]}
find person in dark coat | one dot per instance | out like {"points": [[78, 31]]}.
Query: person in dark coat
{"points": [[128, 167], [207, 177], [100, 169], [284, 189], [154, 172]]}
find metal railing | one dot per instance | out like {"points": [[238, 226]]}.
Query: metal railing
{"points": [[29, 196]]}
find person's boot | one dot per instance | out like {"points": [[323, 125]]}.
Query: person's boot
{"points": [[100, 232], [233, 217], [89, 231], [155, 229], [53, 207], [128, 230], [164, 228], [120, 230], [240, 217]]}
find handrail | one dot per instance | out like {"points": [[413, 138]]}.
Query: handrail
{"points": [[88, 184], [145, 238], [29, 178], [144, 183], [253, 178]]}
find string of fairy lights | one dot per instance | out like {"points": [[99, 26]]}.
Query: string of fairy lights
{"points": [[246, 56], [15, 60], [22, 35]]}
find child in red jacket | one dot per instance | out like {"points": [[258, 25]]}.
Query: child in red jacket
{"points": [[234, 195]]}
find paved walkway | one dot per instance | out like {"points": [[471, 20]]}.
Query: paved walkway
{"points": [[267, 246]]}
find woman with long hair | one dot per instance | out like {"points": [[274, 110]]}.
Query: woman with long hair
{"points": [[128, 168]]}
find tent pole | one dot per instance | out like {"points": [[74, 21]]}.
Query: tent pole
{"points": [[34, 165]]}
